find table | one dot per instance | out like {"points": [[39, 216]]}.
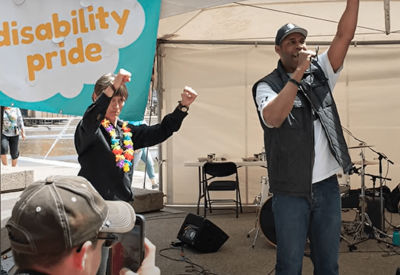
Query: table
{"points": [[200, 164]]}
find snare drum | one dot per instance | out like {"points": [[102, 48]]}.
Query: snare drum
{"points": [[266, 220]]}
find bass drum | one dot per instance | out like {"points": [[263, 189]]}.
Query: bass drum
{"points": [[266, 220]]}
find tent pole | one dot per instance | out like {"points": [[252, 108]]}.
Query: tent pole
{"points": [[227, 42], [386, 6], [160, 94]]}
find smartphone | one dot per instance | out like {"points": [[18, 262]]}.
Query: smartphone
{"points": [[129, 251]]}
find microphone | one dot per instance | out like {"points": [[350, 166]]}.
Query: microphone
{"points": [[315, 57], [382, 155]]}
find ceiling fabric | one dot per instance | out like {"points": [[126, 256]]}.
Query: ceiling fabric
{"points": [[259, 20], [175, 7]]}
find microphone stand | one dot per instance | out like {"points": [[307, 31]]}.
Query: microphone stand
{"points": [[363, 220], [382, 209]]}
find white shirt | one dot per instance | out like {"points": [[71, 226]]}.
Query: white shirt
{"points": [[325, 164]]}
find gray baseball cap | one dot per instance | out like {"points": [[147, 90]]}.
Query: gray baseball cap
{"points": [[287, 29], [63, 212]]}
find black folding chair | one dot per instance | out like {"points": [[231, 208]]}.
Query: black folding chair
{"points": [[229, 181]]}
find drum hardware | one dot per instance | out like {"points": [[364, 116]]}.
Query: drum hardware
{"points": [[362, 223], [362, 219], [367, 162], [373, 191], [380, 157], [265, 222], [360, 146], [342, 237], [256, 227], [260, 201]]}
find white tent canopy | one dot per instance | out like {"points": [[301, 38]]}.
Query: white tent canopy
{"points": [[222, 50], [175, 7], [259, 20]]}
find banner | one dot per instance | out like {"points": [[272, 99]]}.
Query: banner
{"points": [[53, 51]]}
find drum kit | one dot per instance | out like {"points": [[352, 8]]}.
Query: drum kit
{"points": [[366, 226], [361, 228]]}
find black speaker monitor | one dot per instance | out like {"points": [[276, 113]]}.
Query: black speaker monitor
{"points": [[201, 234]]}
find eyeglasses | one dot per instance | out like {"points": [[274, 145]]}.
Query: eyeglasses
{"points": [[110, 240]]}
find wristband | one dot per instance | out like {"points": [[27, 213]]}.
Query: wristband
{"points": [[295, 82]]}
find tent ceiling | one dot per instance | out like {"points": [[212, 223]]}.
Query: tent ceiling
{"points": [[259, 20], [175, 7]]}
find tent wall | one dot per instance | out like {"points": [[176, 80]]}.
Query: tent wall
{"points": [[223, 119]]}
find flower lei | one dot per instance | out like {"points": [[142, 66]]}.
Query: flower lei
{"points": [[123, 158]]}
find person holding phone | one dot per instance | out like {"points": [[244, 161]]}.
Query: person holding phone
{"points": [[148, 265], [305, 145], [105, 144], [129, 251], [60, 224]]}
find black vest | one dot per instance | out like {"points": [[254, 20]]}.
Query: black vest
{"points": [[290, 148]]}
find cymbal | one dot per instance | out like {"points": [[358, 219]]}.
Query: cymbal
{"points": [[360, 146], [366, 162]]}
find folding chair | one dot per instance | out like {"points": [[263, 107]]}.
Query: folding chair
{"points": [[229, 181]]}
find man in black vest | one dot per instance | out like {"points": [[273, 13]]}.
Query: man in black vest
{"points": [[305, 145]]}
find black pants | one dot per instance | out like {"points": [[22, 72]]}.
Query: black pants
{"points": [[12, 143]]}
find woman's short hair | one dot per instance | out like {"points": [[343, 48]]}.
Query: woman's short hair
{"points": [[106, 80]]}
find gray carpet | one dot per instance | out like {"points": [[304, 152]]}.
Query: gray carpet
{"points": [[237, 256]]}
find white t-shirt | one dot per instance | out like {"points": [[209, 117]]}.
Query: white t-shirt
{"points": [[325, 164]]}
